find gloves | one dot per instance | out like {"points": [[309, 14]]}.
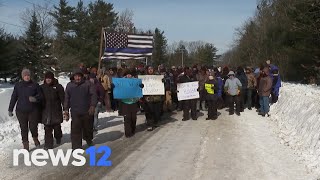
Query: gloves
{"points": [[66, 115], [163, 80], [92, 110], [141, 85], [112, 86], [32, 99], [10, 113]]}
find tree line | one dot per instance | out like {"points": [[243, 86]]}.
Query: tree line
{"points": [[287, 32], [60, 37]]}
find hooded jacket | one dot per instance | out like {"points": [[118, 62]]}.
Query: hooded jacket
{"points": [[232, 86]]}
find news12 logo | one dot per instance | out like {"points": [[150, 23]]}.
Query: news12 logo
{"points": [[40, 157]]}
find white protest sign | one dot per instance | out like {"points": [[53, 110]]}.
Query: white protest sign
{"points": [[188, 90], [153, 84]]}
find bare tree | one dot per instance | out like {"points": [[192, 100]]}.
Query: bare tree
{"points": [[42, 13], [125, 22]]}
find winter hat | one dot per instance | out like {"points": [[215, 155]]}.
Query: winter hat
{"points": [[49, 75], [25, 72], [230, 73], [78, 72]]}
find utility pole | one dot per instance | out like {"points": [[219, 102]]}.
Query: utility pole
{"points": [[182, 51]]}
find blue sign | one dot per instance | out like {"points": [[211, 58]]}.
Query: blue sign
{"points": [[125, 88]]}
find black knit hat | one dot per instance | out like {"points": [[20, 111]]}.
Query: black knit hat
{"points": [[49, 75]]}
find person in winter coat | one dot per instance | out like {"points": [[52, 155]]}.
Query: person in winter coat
{"points": [[81, 99], [52, 118], [202, 77], [220, 88], [264, 91], [252, 84], [232, 89], [276, 84], [241, 75], [106, 83], [169, 86], [28, 96], [211, 87], [191, 104], [152, 106], [224, 76], [129, 110], [100, 91]]}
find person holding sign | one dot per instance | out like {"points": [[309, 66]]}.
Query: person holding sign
{"points": [[211, 88], [190, 104], [152, 106], [129, 108]]}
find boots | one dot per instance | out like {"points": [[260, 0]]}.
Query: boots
{"points": [[26, 145], [36, 141]]}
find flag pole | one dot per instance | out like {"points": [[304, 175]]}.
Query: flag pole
{"points": [[101, 43]]}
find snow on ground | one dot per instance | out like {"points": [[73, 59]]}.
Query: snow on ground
{"points": [[10, 137], [297, 114]]}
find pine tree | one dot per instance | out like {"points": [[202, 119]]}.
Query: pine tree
{"points": [[159, 54], [33, 49]]}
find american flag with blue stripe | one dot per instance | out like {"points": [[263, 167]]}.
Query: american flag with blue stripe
{"points": [[121, 46]]}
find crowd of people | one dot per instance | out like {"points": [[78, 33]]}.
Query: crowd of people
{"points": [[90, 91]]}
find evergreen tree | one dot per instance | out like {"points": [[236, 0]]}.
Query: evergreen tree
{"points": [[33, 49], [205, 54], [159, 54]]}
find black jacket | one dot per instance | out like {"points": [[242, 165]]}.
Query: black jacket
{"points": [[243, 79], [79, 97], [212, 97], [185, 78], [20, 95], [52, 103]]}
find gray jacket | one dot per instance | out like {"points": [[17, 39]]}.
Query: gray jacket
{"points": [[79, 97], [232, 86]]}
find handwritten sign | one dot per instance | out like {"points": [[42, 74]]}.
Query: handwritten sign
{"points": [[153, 84], [125, 88], [188, 91]]}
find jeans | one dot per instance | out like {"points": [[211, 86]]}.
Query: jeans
{"points": [[264, 104], [249, 98]]}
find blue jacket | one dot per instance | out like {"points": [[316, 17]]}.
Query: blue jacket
{"points": [[220, 85], [276, 80], [20, 95]]}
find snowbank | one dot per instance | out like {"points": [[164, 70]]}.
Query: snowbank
{"points": [[297, 114]]}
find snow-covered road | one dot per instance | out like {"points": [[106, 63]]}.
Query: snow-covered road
{"points": [[231, 147]]}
